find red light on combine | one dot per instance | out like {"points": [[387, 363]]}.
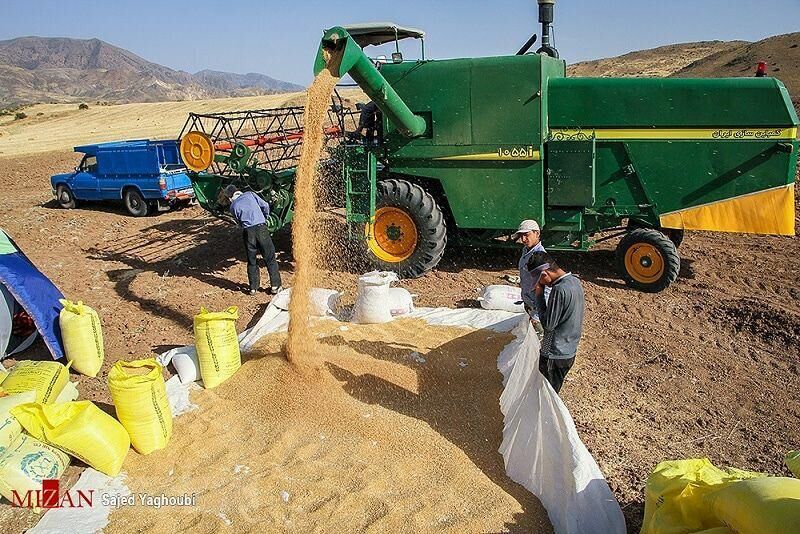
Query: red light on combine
{"points": [[761, 70], [162, 184]]}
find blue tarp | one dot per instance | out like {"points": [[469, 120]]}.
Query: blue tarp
{"points": [[33, 291]]}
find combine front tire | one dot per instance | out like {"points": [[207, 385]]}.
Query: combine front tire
{"points": [[648, 260], [408, 235]]}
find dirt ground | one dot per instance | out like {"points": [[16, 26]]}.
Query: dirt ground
{"points": [[710, 367]]}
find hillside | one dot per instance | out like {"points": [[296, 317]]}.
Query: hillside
{"points": [[44, 69], [706, 59], [63, 126], [781, 52], [654, 62]]}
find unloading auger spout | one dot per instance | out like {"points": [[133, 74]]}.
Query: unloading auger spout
{"points": [[355, 63]]}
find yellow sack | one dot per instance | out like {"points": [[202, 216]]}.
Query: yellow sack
{"points": [[80, 429], [769, 505], [3, 374], [792, 461], [140, 397], [82, 337], [46, 378], [674, 496], [26, 463], [217, 345], [9, 426]]}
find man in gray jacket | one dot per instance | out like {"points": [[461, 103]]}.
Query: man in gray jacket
{"points": [[561, 316]]}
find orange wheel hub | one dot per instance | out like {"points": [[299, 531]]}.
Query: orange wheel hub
{"points": [[393, 236], [644, 263]]}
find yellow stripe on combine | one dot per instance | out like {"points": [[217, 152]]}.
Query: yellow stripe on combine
{"points": [[721, 134], [764, 212], [495, 156]]}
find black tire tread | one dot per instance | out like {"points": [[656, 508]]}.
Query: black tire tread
{"points": [[145, 208], [70, 205], [429, 220], [672, 260]]}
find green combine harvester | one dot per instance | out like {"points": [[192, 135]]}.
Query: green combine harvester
{"points": [[467, 148]]}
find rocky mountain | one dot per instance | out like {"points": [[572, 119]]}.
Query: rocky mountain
{"points": [[230, 82], [45, 69]]}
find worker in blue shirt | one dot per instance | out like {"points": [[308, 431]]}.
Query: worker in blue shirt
{"points": [[251, 212]]}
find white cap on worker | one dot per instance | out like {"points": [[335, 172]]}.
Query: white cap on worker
{"points": [[528, 225]]}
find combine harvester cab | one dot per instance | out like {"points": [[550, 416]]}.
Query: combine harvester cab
{"points": [[469, 147]]}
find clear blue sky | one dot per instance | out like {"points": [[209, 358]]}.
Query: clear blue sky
{"points": [[279, 38]]}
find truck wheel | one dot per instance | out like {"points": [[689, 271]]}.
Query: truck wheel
{"points": [[65, 198], [648, 260], [409, 234], [134, 203]]}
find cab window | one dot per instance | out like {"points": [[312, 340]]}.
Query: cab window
{"points": [[89, 164]]}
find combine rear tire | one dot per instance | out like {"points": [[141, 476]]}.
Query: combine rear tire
{"points": [[648, 260], [65, 198], [134, 203], [409, 233]]}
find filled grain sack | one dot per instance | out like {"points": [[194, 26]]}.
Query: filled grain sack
{"points": [[372, 301], [27, 462], [187, 366], [217, 345], [47, 379], [768, 505], [82, 336], [676, 491], [401, 301], [792, 461], [140, 398], [323, 301], [80, 429], [9, 426], [500, 297]]}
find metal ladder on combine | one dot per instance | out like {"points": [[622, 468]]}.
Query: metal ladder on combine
{"points": [[359, 171]]}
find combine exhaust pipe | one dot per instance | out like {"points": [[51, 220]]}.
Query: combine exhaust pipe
{"points": [[337, 41], [546, 8]]}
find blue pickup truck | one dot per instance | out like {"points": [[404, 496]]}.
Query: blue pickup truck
{"points": [[146, 175]]}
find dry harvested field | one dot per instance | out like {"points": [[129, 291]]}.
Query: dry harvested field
{"points": [[710, 367], [50, 127]]}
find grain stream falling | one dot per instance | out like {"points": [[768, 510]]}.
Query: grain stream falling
{"points": [[300, 344]]}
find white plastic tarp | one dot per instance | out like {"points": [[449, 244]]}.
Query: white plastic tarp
{"points": [[542, 450], [541, 447]]}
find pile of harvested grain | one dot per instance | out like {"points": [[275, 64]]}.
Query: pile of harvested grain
{"points": [[300, 344], [400, 433]]}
